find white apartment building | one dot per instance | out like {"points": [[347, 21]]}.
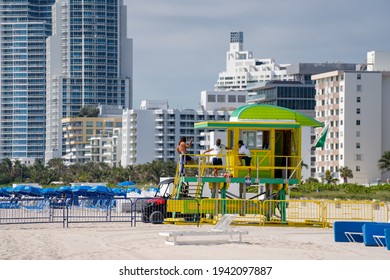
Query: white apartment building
{"points": [[355, 105], [243, 69], [106, 148], [153, 134]]}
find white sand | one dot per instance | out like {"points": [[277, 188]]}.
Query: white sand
{"points": [[119, 241]]}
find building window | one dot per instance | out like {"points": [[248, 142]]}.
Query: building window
{"points": [[221, 98], [357, 145], [359, 76], [358, 157], [232, 99], [358, 99], [211, 98], [357, 133], [357, 122], [358, 87], [241, 99], [357, 110], [357, 168]]}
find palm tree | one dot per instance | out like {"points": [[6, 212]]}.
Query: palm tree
{"points": [[328, 177], [345, 173], [37, 171], [384, 162], [5, 171], [17, 171], [57, 164]]}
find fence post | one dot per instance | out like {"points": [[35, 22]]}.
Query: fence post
{"points": [[65, 216]]}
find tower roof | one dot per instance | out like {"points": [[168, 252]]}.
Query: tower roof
{"points": [[262, 116], [267, 113]]}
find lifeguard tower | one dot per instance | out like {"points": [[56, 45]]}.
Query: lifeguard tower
{"points": [[273, 135]]}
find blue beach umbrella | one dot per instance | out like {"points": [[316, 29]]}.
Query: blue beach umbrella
{"points": [[101, 190], [3, 192], [65, 191], [9, 190], [47, 192], [126, 184], [28, 190], [153, 189], [119, 192], [81, 190], [136, 190]]}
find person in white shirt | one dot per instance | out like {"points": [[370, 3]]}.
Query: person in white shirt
{"points": [[244, 154], [217, 151]]}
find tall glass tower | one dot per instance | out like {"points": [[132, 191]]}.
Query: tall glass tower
{"points": [[24, 27], [89, 62]]}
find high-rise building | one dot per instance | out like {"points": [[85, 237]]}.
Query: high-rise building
{"points": [[24, 27], [243, 69], [355, 106], [89, 63]]}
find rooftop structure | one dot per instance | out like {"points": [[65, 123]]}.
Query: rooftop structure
{"points": [[243, 69]]}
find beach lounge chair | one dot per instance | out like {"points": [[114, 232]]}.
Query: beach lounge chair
{"points": [[387, 238], [348, 231], [221, 228], [374, 234]]}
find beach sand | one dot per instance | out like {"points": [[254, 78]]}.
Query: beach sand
{"points": [[120, 241]]}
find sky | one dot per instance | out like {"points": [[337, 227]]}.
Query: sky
{"points": [[179, 46]]}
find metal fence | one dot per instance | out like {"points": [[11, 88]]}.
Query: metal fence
{"points": [[159, 210], [80, 210]]}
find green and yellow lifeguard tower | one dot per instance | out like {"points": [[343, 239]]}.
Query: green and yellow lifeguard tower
{"points": [[273, 135]]}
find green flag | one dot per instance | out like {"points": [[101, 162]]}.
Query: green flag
{"points": [[320, 142]]}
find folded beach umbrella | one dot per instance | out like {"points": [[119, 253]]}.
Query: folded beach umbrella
{"points": [[126, 184], [28, 190]]}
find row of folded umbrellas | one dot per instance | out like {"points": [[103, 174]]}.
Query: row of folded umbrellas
{"points": [[69, 190]]}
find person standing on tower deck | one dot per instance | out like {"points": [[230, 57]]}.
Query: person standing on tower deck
{"points": [[244, 154], [217, 152], [182, 150]]}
